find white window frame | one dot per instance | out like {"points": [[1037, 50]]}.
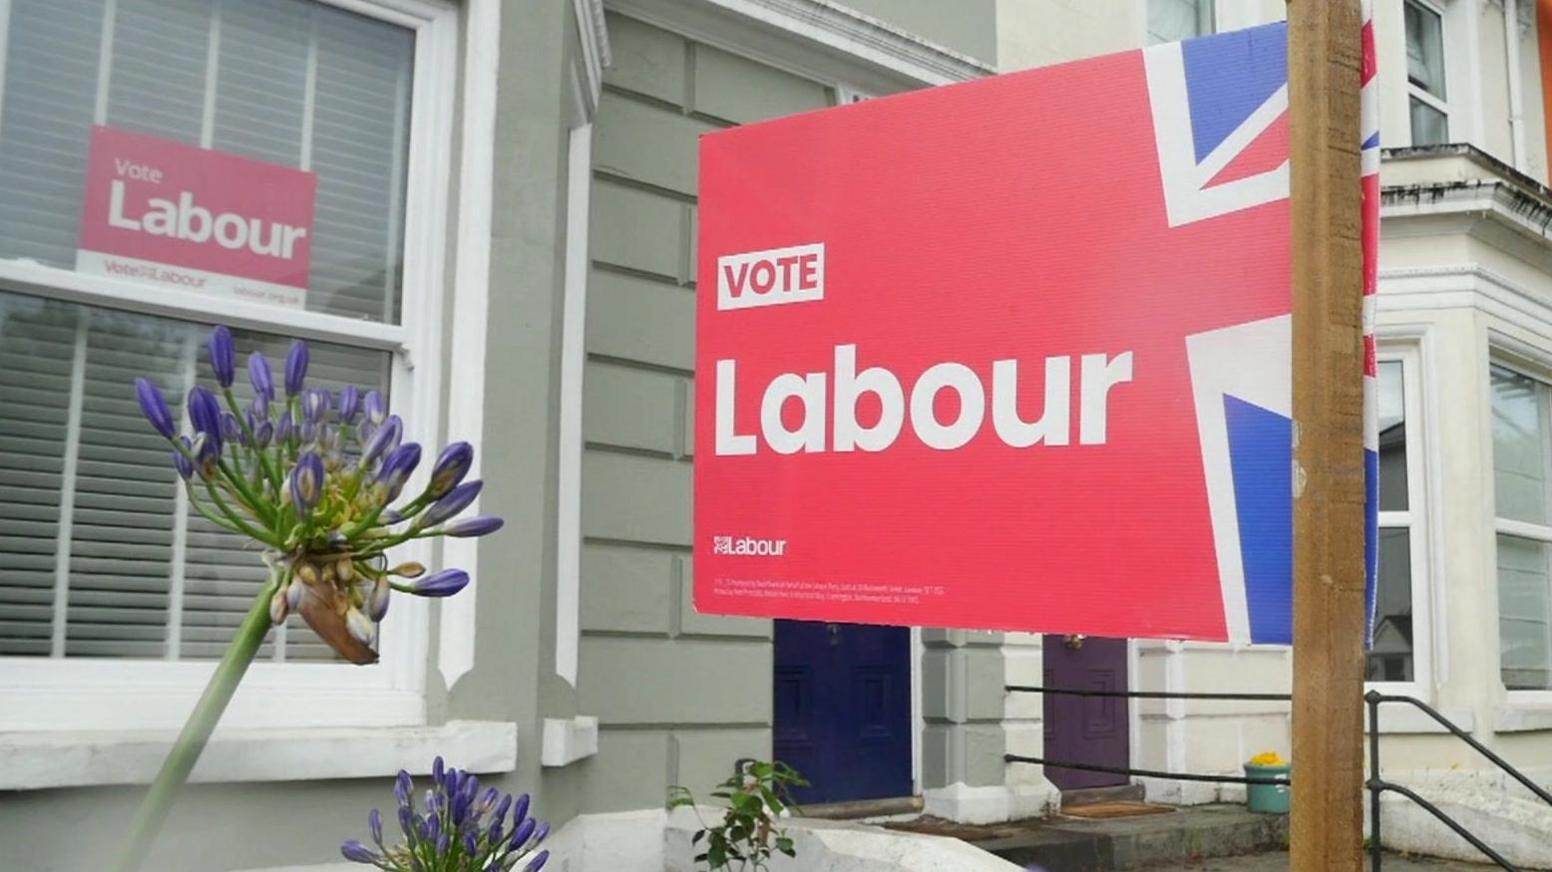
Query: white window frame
{"points": [[1533, 363], [1415, 518], [1442, 104], [38, 693]]}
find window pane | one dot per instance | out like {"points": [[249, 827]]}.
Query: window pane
{"points": [[1524, 614], [1393, 447], [75, 453], [1425, 49], [1429, 125], [1519, 446], [1175, 20], [1390, 658], [296, 82]]}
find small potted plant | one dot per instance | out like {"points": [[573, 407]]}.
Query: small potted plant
{"points": [[1270, 795]]}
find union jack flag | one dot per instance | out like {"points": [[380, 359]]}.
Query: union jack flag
{"points": [[1220, 120]]}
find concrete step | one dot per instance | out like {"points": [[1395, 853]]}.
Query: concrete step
{"points": [[1067, 844]]}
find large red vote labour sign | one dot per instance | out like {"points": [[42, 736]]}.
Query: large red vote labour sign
{"points": [[1012, 354]]}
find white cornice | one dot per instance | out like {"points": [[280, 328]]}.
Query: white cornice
{"points": [[815, 38], [593, 33]]}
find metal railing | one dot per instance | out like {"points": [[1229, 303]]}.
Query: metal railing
{"points": [[1375, 785]]}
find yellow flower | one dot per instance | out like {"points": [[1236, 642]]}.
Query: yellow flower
{"points": [[1268, 758]]}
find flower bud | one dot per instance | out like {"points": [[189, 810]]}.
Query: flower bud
{"points": [[374, 822], [259, 376], [398, 468], [384, 440], [440, 584], [450, 505], [360, 626], [307, 573], [207, 454], [521, 834], [223, 360], [377, 603], [438, 768], [402, 787], [263, 433], [480, 525], [296, 368], [520, 812], [349, 403], [408, 569], [345, 569], [295, 592], [154, 407], [471, 845], [356, 852], [450, 469], [181, 462], [376, 410], [284, 429], [231, 431], [307, 484], [538, 861], [205, 412], [315, 404]]}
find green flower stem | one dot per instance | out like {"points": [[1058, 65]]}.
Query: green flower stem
{"points": [[247, 528], [158, 801], [210, 516]]}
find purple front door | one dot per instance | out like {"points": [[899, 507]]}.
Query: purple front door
{"points": [[1085, 729]]}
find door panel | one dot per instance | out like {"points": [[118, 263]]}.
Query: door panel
{"points": [[1082, 729], [842, 708]]}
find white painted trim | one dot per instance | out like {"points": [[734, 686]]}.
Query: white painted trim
{"points": [[51, 282], [207, 126], [567, 740], [32, 761], [813, 38], [593, 33], [471, 301], [573, 351]]}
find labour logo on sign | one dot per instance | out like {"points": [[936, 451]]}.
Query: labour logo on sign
{"points": [[1040, 374]]}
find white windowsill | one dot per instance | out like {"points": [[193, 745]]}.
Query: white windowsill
{"points": [[567, 740], [34, 760], [1522, 717]]}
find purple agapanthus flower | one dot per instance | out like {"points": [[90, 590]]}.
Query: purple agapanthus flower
{"points": [[315, 480], [456, 828]]}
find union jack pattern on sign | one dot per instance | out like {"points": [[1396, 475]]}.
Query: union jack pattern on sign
{"points": [[1013, 354]]}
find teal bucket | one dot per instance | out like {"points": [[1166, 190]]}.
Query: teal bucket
{"points": [[1267, 798]]}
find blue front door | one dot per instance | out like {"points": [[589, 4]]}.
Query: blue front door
{"points": [[843, 709]]}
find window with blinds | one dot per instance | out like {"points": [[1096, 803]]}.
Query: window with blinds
{"points": [[100, 556], [294, 82]]}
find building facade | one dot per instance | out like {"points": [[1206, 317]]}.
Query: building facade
{"points": [[505, 242]]}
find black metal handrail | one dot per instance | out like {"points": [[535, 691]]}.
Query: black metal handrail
{"points": [[1376, 785]]}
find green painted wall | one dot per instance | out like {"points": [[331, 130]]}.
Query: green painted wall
{"points": [[966, 26], [679, 696]]}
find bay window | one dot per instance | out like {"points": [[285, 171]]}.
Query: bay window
{"points": [[114, 596]]}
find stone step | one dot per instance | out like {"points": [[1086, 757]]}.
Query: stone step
{"points": [[1068, 844]]}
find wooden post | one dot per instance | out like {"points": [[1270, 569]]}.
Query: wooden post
{"points": [[1328, 514]]}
